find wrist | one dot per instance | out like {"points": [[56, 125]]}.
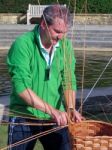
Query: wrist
{"points": [[49, 110]]}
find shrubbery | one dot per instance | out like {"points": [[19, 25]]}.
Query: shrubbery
{"points": [[82, 6]]}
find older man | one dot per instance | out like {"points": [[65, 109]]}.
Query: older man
{"points": [[41, 64]]}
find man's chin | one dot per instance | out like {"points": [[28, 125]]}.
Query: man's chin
{"points": [[54, 42]]}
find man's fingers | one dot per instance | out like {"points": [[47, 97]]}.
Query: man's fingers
{"points": [[61, 118]]}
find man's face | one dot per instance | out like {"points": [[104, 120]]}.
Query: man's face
{"points": [[56, 31]]}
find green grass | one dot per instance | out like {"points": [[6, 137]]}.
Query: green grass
{"points": [[3, 138]]}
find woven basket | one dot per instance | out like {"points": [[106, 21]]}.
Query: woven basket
{"points": [[91, 135]]}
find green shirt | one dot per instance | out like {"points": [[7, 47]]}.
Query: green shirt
{"points": [[28, 69]]}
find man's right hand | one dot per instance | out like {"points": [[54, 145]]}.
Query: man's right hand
{"points": [[60, 117]]}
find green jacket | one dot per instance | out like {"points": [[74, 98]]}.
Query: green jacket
{"points": [[28, 69]]}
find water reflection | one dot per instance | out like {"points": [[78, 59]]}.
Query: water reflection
{"points": [[95, 103], [5, 87], [95, 63]]}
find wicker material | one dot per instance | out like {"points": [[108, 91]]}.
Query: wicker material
{"points": [[91, 135]]}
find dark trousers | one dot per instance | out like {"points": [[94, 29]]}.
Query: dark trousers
{"points": [[58, 140]]}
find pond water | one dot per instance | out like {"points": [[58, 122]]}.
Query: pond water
{"points": [[4, 76], [95, 63], [96, 98]]}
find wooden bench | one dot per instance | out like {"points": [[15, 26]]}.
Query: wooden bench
{"points": [[35, 11]]}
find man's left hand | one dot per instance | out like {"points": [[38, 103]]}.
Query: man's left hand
{"points": [[75, 116]]}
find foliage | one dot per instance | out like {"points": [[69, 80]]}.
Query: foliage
{"points": [[82, 6]]}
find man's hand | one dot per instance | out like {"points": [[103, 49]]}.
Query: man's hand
{"points": [[60, 117], [75, 116]]}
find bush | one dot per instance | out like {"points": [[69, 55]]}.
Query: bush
{"points": [[82, 6]]}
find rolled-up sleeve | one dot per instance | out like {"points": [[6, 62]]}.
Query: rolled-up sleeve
{"points": [[18, 61]]}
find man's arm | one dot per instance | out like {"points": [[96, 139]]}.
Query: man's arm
{"points": [[32, 99], [70, 98]]}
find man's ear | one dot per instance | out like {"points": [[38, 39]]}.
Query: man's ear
{"points": [[43, 24]]}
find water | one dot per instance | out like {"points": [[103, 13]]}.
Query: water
{"points": [[98, 104], [95, 62], [4, 76]]}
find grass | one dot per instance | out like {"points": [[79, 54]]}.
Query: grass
{"points": [[3, 138]]}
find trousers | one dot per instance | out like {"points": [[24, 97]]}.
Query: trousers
{"points": [[58, 140]]}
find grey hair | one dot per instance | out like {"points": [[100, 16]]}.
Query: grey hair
{"points": [[52, 12]]}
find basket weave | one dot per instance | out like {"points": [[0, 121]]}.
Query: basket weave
{"points": [[91, 135]]}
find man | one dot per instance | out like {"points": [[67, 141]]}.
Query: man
{"points": [[41, 64]]}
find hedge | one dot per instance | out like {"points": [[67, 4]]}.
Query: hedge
{"points": [[82, 6]]}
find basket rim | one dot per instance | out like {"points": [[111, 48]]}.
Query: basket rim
{"points": [[92, 121]]}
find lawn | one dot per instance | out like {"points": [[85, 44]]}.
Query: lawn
{"points": [[3, 138]]}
